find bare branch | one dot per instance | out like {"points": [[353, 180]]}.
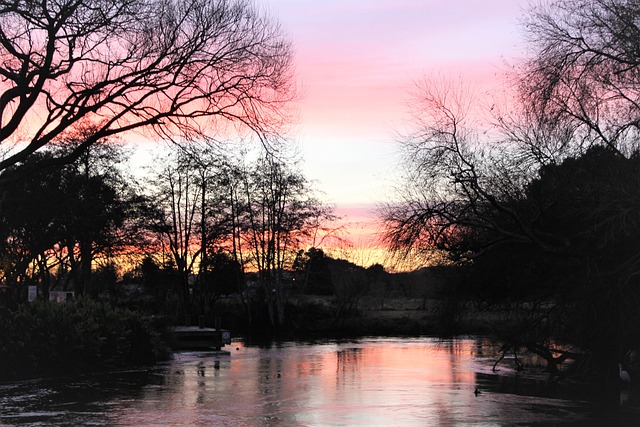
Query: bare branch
{"points": [[181, 69]]}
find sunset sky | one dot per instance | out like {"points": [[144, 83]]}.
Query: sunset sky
{"points": [[356, 63]]}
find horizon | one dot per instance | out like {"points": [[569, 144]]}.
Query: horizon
{"points": [[357, 83], [357, 79]]}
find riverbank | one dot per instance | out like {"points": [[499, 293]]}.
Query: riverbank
{"points": [[311, 317]]}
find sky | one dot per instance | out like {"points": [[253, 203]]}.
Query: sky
{"points": [[356, 64]]}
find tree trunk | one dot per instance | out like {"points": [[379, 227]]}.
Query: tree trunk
{"points": [[86, 259]]}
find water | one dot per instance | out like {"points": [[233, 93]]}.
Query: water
{"points": [[370, 382]]}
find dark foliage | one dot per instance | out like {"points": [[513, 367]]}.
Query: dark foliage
{"points": [[49, 338], [61, 218], [585, 292], [312, 272]]}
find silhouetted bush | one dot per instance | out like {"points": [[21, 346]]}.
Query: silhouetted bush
{"points": [[45, 337]]}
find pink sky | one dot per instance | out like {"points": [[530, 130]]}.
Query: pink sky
{"points": [[356, 63]]}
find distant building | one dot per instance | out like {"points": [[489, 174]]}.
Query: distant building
{"points": [[54, 296]]}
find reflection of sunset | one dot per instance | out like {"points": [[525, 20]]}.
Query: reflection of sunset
{"points": [[371, 382], [324, 384]]}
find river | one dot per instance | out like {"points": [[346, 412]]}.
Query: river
{"points": [[367, 382]]}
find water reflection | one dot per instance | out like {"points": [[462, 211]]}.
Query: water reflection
{"points": [[367, 382]]}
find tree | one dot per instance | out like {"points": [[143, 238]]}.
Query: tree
{"points": [[223, 275], [218, 217], [281, 214], [350, 284], [313, 274], [597, 214], [61, 218], [27, 229], [215, 210], [101, 205], [584, 69], [541, 208], [177, 197], [194, 219], [180, 69], [457, 181]]}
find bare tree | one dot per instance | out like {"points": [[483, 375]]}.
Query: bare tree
{"points": [[282, 214], [584, 69], [458, 181], [178, 196], [180, 69], [259, 214], [198, 218], [477, 197], [214, 212], [542, 206]]}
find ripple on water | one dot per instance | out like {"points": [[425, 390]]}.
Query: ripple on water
{"points": [[365, 382]]}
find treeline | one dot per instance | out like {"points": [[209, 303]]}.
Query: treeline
{"points": [[76, 75], [190, 230]]}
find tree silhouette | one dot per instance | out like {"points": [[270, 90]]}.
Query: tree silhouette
{"points": [[584, 70], [541, 209], [61, 218], [281, 215], [30, 222], [192, 220], [179, 69]]}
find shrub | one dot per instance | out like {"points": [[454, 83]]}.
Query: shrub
{"points": [[45, 337]]}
